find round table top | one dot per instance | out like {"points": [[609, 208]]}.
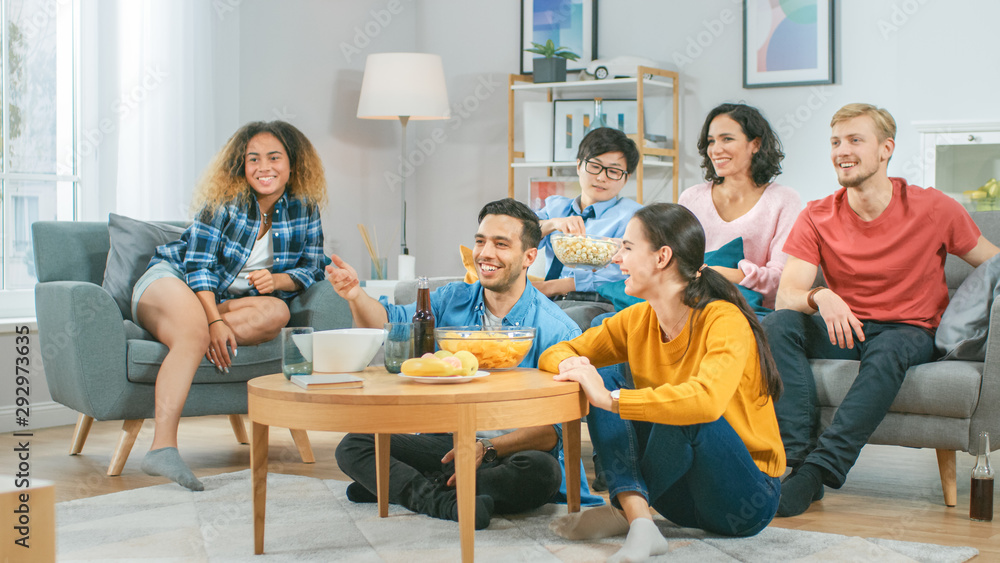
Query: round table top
{"points": [[382, 387]]}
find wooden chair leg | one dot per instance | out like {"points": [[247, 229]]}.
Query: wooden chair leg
{"points": [[130, 429], [239, 428], [949, 483], [80, 433], [301, 440]]}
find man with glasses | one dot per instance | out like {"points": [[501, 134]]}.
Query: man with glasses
{"points": [[604, 161]]}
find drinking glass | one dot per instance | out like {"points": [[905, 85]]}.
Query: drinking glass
{"points": [[296, 350], [398, 345]]}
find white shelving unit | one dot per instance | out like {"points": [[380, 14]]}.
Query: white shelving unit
{"points": [[653, 79]]}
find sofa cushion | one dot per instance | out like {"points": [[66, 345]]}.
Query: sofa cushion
{"points": [[965, 322], [144, 358], [949, 389], [133, 243]]}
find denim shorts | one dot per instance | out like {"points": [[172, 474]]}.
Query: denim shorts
{"points": [[159, 270]]}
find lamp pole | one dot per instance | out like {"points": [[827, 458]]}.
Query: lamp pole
{"points": [[403, 119]]}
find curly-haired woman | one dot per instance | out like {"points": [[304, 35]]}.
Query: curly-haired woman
{"points": [[741, 157], [256, 241]]}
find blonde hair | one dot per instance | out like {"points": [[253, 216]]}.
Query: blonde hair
{"points": [[885, 125], [225, 178]]}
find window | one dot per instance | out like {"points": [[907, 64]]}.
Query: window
{"points": [[39, 176]]}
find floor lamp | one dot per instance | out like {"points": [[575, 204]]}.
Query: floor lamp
{"points": [[403, 86]]}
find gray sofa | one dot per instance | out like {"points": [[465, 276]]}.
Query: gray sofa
{"points": [[105, 367], [942, 405]]}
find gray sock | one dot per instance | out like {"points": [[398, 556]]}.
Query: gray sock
{"points": [[167, 462], [643, 541], [596, 523]]}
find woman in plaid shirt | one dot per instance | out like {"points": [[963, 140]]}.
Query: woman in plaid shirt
{"points": [[257, 241]]}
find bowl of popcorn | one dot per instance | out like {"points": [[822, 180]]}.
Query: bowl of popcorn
{"points": [[584, 251], [495, 348]]}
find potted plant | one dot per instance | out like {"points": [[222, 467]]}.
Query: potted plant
{"points": [[551, 66]]}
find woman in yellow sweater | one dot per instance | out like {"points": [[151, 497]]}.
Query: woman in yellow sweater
{"points": [[694, 436]]}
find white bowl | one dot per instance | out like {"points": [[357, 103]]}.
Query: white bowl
{"points": [[346, 349]]}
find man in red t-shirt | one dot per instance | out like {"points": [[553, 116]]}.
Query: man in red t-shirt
{"points": [[881, 244]]}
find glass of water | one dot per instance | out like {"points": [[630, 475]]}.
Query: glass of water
{"points": [[398, 345], [296, 350]]}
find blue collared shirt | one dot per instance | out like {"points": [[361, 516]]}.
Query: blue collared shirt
{"points": [[461, 304], [214, 249], [610, 219]]}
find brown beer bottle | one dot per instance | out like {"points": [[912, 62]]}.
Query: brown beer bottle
{"points": [[423, 321], [981, 506]]}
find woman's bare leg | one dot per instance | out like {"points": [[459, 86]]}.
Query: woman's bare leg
{"points": [[169, 310], [255, 319]]}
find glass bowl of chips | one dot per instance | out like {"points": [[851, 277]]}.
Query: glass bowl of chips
{"points": [[584, 251], [495, 348]]}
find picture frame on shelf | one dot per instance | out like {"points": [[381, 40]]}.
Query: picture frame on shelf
{"points": [[787, 44], [568, 23], [571, 119], [542, 187]]}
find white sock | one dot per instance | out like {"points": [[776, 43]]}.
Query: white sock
{"points": [[601, 522], [644, 540]]}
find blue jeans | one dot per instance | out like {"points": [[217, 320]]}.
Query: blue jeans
{"points": [[889, 349], [698, 476]]}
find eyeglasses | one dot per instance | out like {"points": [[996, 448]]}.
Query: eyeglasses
{"points": [[596, 169]]}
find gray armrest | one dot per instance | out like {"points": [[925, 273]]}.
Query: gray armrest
{"points": [[82, 336], [987, 415], [321, 308]]}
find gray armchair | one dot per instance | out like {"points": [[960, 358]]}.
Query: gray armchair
{"points": [[942, 405], [105, 367]]}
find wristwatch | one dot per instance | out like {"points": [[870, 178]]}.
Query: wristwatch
{"points": [[489, 451], [614, 400]]}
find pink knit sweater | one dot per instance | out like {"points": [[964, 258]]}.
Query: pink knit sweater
{"points": [[764, 229]]}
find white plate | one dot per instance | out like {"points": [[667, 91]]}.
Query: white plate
{"points": [[445, 379]]}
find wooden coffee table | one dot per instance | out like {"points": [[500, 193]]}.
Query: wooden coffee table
{"points": [[389, 404]]}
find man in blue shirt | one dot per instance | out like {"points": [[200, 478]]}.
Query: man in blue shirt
{"points": [[517, 469], [604, 161]]}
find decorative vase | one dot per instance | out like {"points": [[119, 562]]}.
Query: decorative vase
{"points": [[551, 69]]}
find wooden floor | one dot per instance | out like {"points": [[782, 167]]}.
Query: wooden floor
{"points": [[892, 492]]}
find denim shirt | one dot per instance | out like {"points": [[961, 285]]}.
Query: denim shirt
{"points": [[461, 304], [610, 220], [213, 250]]}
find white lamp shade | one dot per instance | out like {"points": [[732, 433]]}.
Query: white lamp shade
{"points": [[403, 84]]}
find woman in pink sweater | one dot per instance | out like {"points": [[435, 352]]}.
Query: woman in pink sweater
{"points": [[742, 155]]}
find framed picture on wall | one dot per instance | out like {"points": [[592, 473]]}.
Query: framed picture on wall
{"points": [[572, 119], [787, 43], [568, 23]]}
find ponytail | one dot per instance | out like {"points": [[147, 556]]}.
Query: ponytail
{"points": [[669, 224], [707, 286]]}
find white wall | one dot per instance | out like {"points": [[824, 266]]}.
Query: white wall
{"points": [[921, 59]]}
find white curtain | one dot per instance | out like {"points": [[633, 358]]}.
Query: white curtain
{"points": [[164, 111]]}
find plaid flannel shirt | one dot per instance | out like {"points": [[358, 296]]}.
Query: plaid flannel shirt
{"points": [[214, 249]]}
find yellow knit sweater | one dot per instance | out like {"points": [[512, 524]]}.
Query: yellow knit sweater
{"points": [[679, 385]]}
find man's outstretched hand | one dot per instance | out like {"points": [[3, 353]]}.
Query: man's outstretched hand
{"points": [[343, 278]]}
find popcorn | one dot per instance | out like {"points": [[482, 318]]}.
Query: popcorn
{"points": [[581, 251]]}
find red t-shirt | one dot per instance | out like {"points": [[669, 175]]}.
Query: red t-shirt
{"points": [[890, 269]]}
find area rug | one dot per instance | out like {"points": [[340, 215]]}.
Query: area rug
{"points": [[311, 520]]}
